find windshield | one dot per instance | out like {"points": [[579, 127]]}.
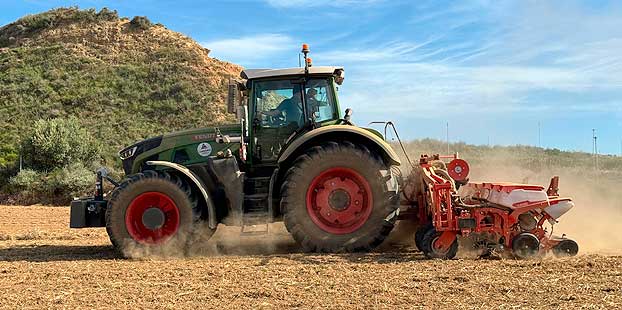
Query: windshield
{"points": [[320, 100], [279, 103]]}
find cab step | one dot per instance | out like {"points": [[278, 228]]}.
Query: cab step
{"points": [[257, 215]]}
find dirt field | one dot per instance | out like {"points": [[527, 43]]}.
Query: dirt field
{"points": [[43, 264]]}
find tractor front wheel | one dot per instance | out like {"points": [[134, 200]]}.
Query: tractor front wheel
{"points": [[152, 209], [335, 198]]}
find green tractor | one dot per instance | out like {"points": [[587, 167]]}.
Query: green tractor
{"points": [[293, 157]]}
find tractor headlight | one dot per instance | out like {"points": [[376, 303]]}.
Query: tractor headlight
{"points": [[130, 153], [127, 153]]}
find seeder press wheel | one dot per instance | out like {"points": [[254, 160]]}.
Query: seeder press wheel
{"points": [[419, 235], [566, 247], [432, 244], [525, 245]]}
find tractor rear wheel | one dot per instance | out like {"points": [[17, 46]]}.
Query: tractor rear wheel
{"points": [[335, 198], [152, 209]]}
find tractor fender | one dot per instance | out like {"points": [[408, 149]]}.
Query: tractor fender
{"points": [[346, 132], [211, 211]]}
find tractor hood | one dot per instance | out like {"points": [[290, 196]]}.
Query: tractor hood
{"points": [[183, 147]]}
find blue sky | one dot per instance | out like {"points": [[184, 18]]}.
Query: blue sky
{"points": [[492, 69]]}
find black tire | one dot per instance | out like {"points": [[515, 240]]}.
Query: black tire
{"points": [[566, 248], [427, 241], [419, 235], [525, 245], [162, 185], [311, 230]]}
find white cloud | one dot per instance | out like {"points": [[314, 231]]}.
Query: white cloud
{"points": [[249, 50], [551, 34], [388, 52], [571, 53], [424, 88], [536, 48]]}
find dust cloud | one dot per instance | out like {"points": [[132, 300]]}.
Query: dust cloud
{"points": [[227, 240], [595, 222]]}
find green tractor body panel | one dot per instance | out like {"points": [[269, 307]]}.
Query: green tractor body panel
{"points": [[186, 147]]}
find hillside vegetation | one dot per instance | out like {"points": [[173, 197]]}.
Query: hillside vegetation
{"points": [[123, 80], [530, 158]]}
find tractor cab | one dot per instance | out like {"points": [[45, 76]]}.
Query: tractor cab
{"points": [[286, 103], [277, 105]]}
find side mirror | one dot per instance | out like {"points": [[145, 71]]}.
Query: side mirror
{"points": [[348, 114], [339, 76], [232, 97], [102, 171]]}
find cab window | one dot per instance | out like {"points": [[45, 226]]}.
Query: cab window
{"points": [[320, 100], [278, 104]]}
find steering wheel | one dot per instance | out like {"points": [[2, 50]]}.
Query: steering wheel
{"points": [[276, 120]]}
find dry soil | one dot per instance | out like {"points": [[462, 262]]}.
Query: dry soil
{"points": [[44, 264]]}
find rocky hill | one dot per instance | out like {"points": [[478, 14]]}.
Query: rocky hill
{"points": [[124, 79]]}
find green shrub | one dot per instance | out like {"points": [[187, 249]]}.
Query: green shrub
{"points": [[67, 182], [57, 143], [140, 22], [25, 180], [56, 187], [36, 21], [69, 14], [107, 14], [30, 24], [25, 187]]}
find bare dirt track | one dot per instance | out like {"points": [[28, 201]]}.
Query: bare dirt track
{"points": [[43, 264]]}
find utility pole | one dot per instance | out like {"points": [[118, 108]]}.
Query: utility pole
{"points": [[595, 149], [21, 158], [593, 144], [447, 138]]}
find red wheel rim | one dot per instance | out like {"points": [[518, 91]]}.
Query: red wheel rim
{"points": [[339, 200], [140, 214]]}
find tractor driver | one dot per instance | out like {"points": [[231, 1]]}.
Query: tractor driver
{"points": [[312, 102], [291, 108]]}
